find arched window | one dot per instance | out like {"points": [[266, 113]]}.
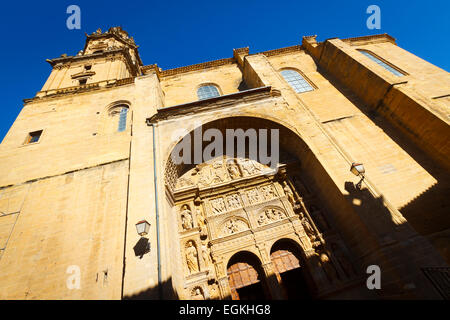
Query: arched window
{"points": [[121, 111], [207, 91], [296, 81], [381, 63]]}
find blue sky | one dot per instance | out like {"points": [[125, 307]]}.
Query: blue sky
{"points": [[178, 33]]}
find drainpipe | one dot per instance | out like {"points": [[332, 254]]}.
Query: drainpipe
{"points": [[155, 180]]}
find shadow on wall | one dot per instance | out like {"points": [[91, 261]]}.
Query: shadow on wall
{"points": [[428, 212], [403, 253], [155, 292]]}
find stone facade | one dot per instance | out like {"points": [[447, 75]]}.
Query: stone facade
{"points": [[224, 226]]}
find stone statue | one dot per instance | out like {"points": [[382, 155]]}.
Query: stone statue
{"points": [[206, 253], [307, 227], [186, 218], [289, 194], [191, 257], [200, 219]]}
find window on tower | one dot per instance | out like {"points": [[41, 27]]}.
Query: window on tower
{"points": [[207, 91]]}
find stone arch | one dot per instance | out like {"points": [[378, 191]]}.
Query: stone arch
{"points": [[246, 277], [289, 135], [290, 267], [296, 149]]}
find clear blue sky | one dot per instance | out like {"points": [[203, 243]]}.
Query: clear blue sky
{"points": [[178, 33]]}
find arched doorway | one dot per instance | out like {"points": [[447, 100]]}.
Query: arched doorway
{"points": [[290, 270], [222, 201], [246, 278]]}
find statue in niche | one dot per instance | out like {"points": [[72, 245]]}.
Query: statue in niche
{"points": [[191, 257], [197, 294], [328, 266], [289, 194], [233, 201], [233, 169], [319, 218], [218, 205], [342, 259], [186, 218], [268, 192]]}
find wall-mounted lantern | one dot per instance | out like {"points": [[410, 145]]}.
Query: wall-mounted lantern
{"points": [[358, 170], [142, 227]]}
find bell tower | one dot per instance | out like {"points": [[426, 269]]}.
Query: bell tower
{"points": [[106, 58]]}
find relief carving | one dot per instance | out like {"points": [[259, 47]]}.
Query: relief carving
{"points": [[270, 215], [268, 192], [218, 205], [233, 201], [233, 225], [253, 196]]}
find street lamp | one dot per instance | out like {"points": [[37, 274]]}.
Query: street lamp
{"points": [[142, 227], [358, 170]]}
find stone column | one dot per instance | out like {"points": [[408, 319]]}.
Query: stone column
{"points": [[272, 281]]}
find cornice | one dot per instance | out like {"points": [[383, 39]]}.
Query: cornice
{"points": [[275, 52], [51, 94], [193, 67], [213, 103], [65, 61], [384, 37]]}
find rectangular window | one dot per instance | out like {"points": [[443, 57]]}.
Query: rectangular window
{"points": [[33, 137]]}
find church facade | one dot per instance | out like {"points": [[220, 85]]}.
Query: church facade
{"points": [[94, 155]]}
